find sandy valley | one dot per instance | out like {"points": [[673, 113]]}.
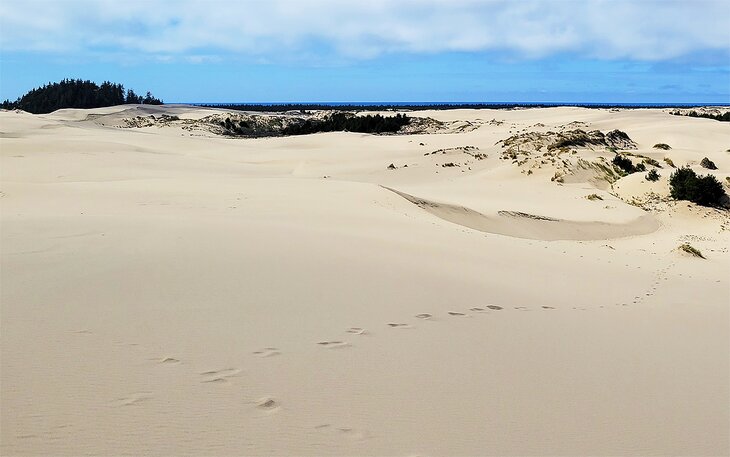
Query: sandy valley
{"points": [[472, 288]]}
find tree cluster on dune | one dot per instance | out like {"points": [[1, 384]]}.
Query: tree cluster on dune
{"points": [[343, 122], [685, 184], [77, 93], [335, 122]]}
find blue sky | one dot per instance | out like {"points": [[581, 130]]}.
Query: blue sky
{"points": [[616, 51]]}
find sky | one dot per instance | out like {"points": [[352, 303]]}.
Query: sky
{"points": [[601, 51]]}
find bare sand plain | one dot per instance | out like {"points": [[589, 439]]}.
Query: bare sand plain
{"points": [[166, 290]]}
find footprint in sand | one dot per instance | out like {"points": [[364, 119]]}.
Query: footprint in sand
{"points": [[352, 433], [494, 307], [398, 325], [333, 344], [267, 404], [344, 431], [455, 313], [267, 352], [547, 307], [134, 399], [356, 331], [169, 361], [219, 376], [477, 309], [521, 308], [423, 316]]}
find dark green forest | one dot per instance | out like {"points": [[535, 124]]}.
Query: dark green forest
{"points": [[339, 122], [76, 93], [336, 122]]}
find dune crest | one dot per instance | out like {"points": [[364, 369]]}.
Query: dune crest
{"points": [[522, 225]]}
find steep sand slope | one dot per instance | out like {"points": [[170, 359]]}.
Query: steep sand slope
{"points": [[169, 294]]}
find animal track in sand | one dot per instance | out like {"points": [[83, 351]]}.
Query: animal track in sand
{"points": [[477, 309], [455, 313], [494, 307], [356, 331], [422, 316], [547, 307], [333, 344], [267, 352]]}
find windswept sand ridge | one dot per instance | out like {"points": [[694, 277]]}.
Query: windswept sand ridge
{"points": [[523, 225], [168, 293], [233, 123]]}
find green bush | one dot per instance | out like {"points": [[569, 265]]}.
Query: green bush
{"points": [[706, 190], [652, 176], [709, 164], [623, 163]]}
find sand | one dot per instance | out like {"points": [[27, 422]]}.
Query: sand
{"points": [[167, 292]]}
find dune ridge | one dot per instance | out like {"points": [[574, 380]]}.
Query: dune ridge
{"points": [[528, 226]]}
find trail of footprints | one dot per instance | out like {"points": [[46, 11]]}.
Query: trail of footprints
{"points": [[660, 276], [268, 404]]}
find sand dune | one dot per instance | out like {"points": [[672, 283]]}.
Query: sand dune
{"points": [[174, 292]]}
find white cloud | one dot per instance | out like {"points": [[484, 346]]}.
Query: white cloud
{"points": [[323, 29]]}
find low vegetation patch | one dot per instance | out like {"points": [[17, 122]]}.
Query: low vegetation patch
{"points": [[669, 162], [685, 184], [724, 117], [578, 138], [709, 164], [594, 197], [663, 146], [689, 249]]}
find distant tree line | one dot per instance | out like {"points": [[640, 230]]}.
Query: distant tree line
{"points": [[343, 122], [303, 107], [725, 117], [76, 93]]}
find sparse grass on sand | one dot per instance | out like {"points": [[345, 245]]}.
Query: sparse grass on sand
{"points": [[689, 249]]}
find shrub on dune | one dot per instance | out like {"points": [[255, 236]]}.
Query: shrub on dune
{"points": [[707, 163], [652, 176], [704, 190]]}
